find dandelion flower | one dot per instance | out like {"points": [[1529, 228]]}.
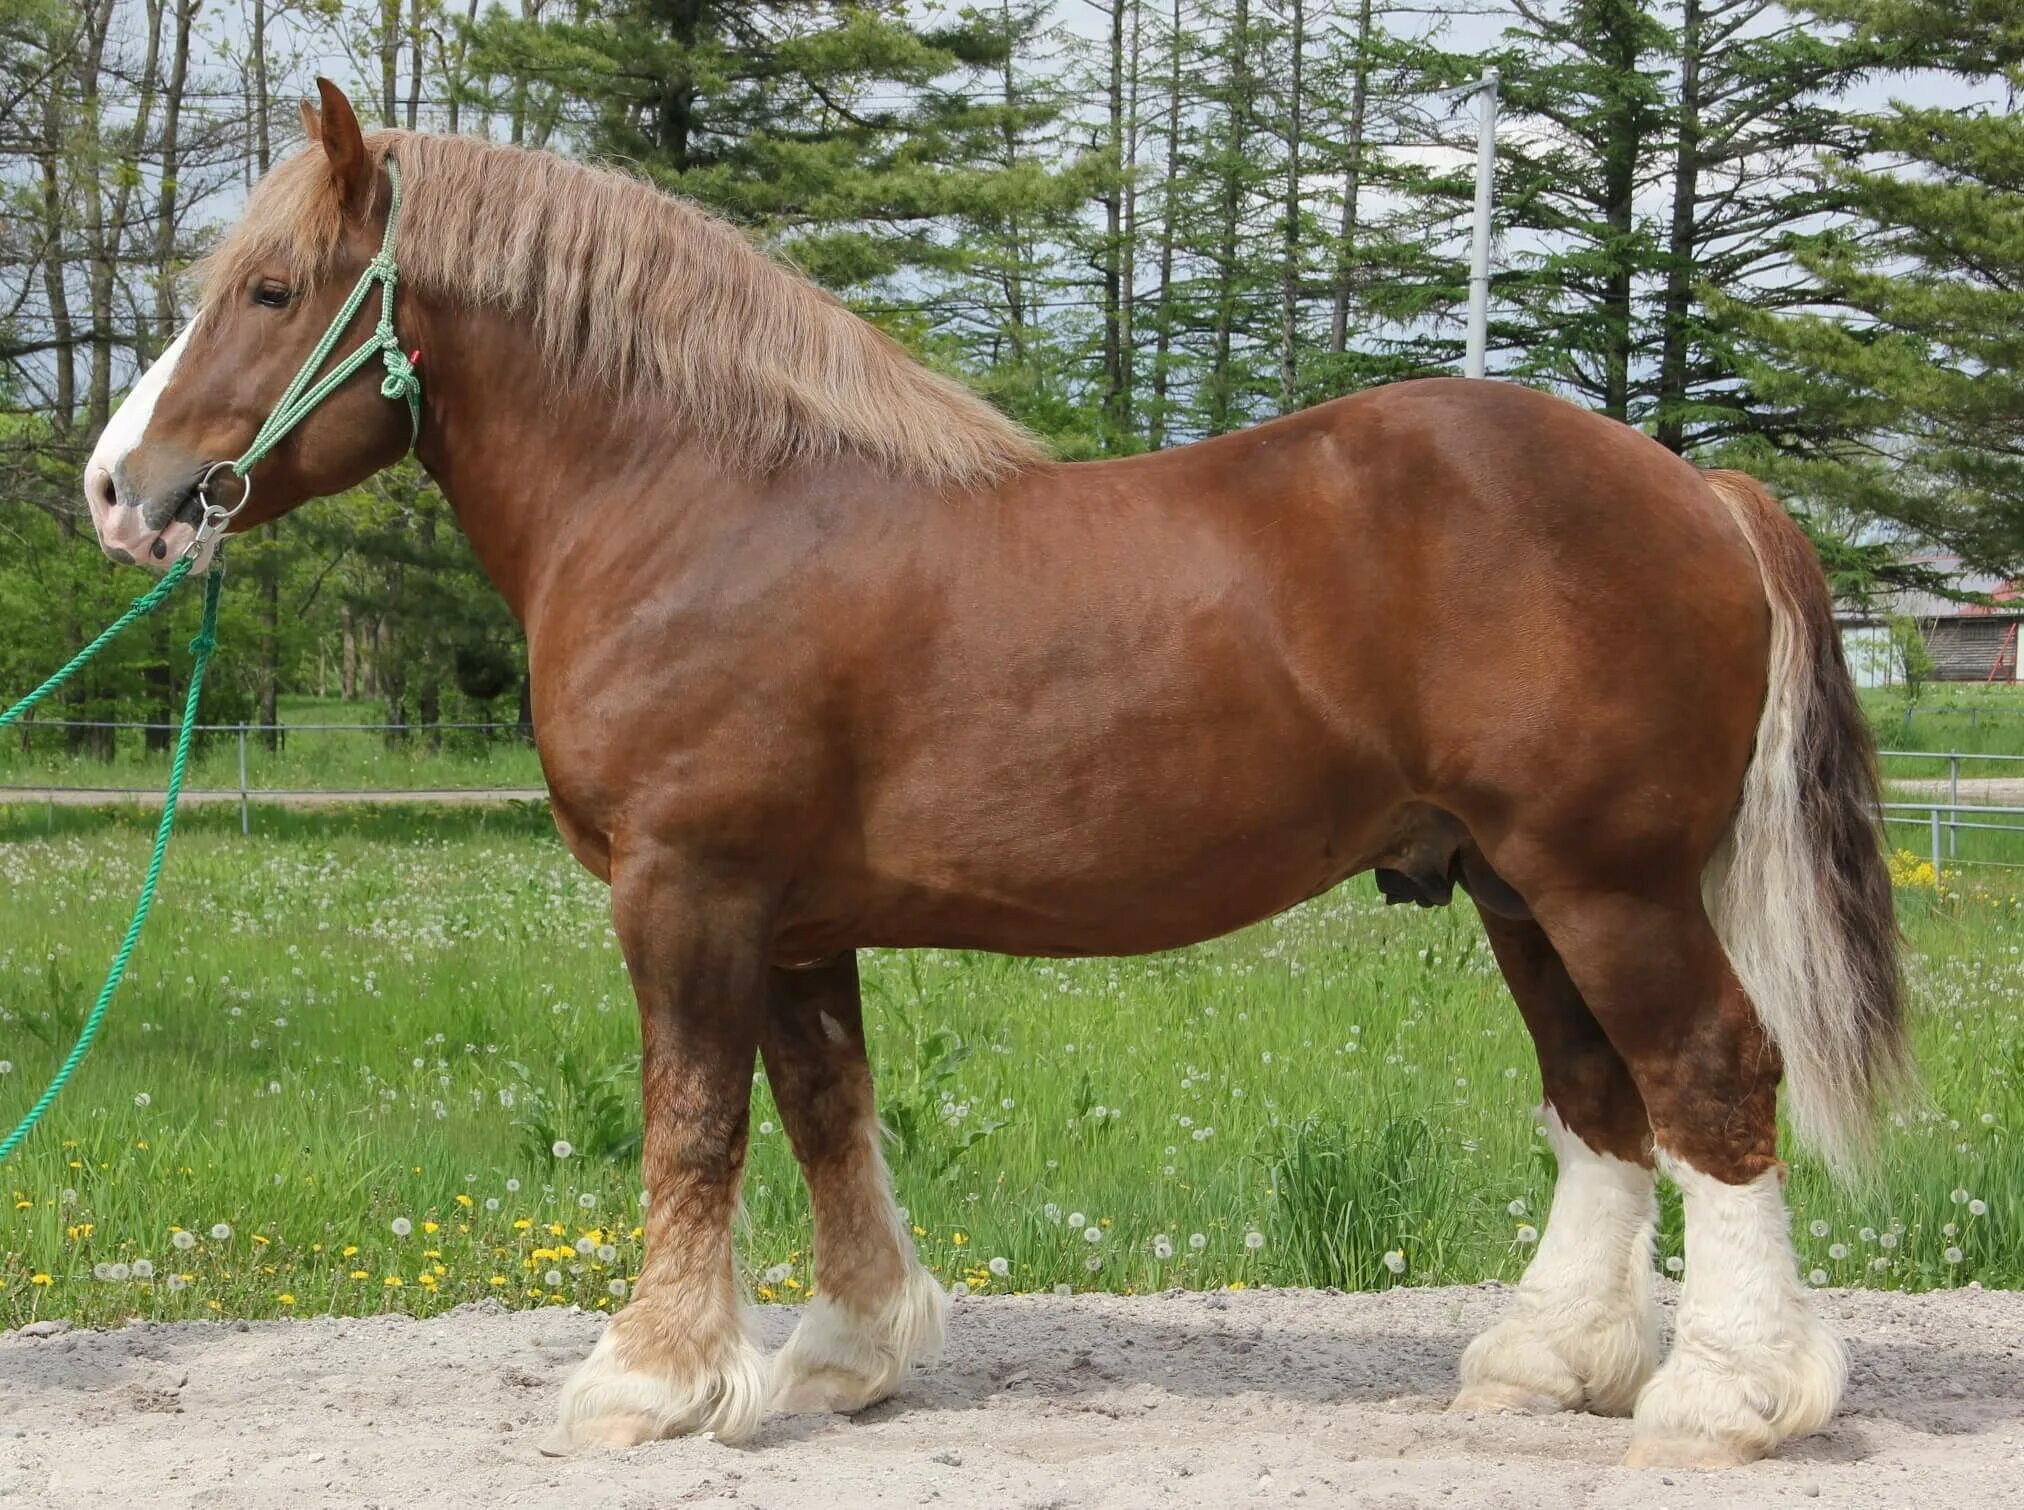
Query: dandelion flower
{"points": [[778, 1273], [1958, 1196], [144, 1269], [101, 1271], [1064, 1289], [561, 1148], [1517, 1208], [1395, 1261], [1077, 1219], [1093, 1263], [1163, 1247], [1051, 1211], [1952, 1255], [177, 1284], [222, 1232], [1978, 1207], [958, 1290], [616, 1289], [1675, 1263], [1197, 1241], [1254, 1240], [1527, 1234], [1092, 1234], [606, 1253], [1837, 1251], [142, 1098], [1817, 1277], [402, 1226], [1887, 1240], [183, 1240], [553, 1279], [513, 1187], [1000, 1267], [1817, 1227]]}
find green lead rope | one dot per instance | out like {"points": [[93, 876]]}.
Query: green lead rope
{"points": [[303, 393], [201, 647]]}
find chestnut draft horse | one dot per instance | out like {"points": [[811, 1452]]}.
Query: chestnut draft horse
{"points": [[826, 656]]}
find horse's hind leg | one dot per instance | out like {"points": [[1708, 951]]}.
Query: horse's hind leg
{"points": [[876, 1310], [1751, 1364], [1582, 1332]]}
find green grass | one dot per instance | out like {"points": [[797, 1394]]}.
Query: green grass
{"points": [[350, 1020]]}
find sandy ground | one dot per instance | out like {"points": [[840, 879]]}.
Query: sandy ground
{"points": [[1258, 1398]]}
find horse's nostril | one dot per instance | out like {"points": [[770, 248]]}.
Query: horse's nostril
{"points": [[98, 483]]}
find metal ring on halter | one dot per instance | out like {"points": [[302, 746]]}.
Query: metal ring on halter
{"points": [[215, 517]]}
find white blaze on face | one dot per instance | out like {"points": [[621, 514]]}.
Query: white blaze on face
{"points": [[129, 422], [115, 514]]}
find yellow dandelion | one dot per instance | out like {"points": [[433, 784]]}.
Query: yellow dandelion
{"points": [[42, 1279], [522, 1225], [287, 1300], [393, 1281], [360, 1274], [556, 1229], [961, 1238], [431, 1227], [497, 1280], [350, 1250], [464, 1201]]}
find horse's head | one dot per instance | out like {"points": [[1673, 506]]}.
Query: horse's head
{"points": [[276, 284]]}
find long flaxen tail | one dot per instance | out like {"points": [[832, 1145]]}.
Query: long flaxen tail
{"points": [[1800, 892]]}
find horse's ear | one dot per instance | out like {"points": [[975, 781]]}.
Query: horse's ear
{"points": [[344, 145], [312, 123]]}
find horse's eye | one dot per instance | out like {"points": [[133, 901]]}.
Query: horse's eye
{"points": [[272, 295]]}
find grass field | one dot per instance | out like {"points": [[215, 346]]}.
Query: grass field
{"points": [[349, 1048]]}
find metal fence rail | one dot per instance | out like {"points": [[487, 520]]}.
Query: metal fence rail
{"points": [[1940, 823]]}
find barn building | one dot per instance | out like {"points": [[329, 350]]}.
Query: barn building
{"points": [[1968, 642]]}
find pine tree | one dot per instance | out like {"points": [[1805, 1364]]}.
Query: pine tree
{"points": [[1908, 407]]}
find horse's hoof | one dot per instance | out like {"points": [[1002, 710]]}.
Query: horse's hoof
{"points": [[1493, 1398], [611, 1402], [1675, 1450]]}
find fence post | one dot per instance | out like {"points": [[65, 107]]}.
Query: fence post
{"points": [[1936, 846], [245, 820], [1954, 812]]}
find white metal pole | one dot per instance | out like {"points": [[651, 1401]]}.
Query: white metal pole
{"points": [[1479, 248]]}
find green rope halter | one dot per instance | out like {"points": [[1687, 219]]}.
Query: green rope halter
{"points": [[297, 400]]}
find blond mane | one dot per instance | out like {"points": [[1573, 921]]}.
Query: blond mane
{"points": [[646, 295]]}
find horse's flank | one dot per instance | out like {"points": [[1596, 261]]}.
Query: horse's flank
{"points": [[643, 296]]}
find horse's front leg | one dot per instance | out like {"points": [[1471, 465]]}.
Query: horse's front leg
{"points": [[677, 1359]]}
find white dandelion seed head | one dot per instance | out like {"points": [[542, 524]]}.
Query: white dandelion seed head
{"points": [[778, 1273], [101, 1271], [958, 1290], [1675, 1263], [402, 1226], [586, 1200], [1887, 1240], [1254, 1240], [1051, 1211], [142, 1098], [144, 1268], [1093, 1263], [1958, 1196], [1197, 1241], [491, 1203], [1817, 1277], [183, 1240], [1527, 1234], [1064, 1289], [1837, 1251], [606, 1253], [1000, 1267], [1395, 1261], [1077, 1219], [176, 1283], [553, 1279], [585, 1247], [1092, 1234], [1952, 1255], [222, 1231], [1817, 1227], [513, 1187], [1517, 1208], [1978, 1207], [1163, 1247], [561, 1148]]}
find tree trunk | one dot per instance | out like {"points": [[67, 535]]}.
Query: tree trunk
{"points": [[1113, 240], [1289, 265], [1676, 333], [1222, 382], [1163, 316], [1352, 184]]}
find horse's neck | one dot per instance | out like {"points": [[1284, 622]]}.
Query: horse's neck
{"points": [[533, 473]]}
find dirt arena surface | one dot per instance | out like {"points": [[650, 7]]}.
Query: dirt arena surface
{"points": [[1263, 1397]]}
